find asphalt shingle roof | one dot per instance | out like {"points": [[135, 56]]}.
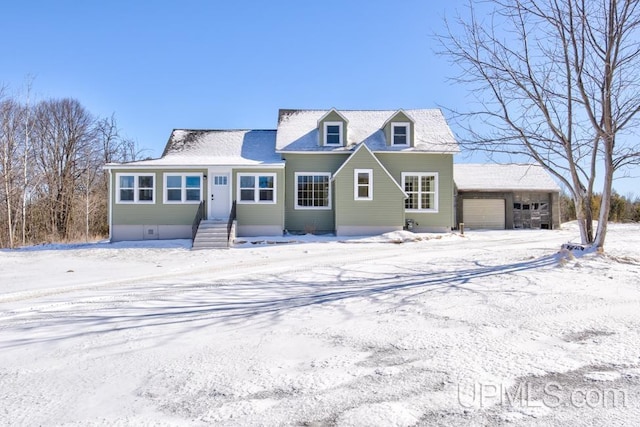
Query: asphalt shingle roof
{"points": [[503, 177], [217, 147], [298, 130]]}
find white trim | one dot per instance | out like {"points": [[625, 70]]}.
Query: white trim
{"points": [[356, 184], [256, 188], [111, 183], [406, 125], [363, 145], [194, 167], [343, 150], [295, 191], [349, 149], [333, 110], [340, 134], [136, 188], [393, 116], [436, 192], [183, 188], [409, 149]]}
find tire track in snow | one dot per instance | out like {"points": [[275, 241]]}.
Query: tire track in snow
{"points": [[288, 262]]}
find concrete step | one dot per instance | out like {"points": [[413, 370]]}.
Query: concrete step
{"points": [[209, 227], [210, 242], [209, 245], [212, 235]]}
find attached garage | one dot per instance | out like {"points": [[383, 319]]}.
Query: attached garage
{"points": [[484, 213], [506, 196]]}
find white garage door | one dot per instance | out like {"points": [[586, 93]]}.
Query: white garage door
{"points": [[483, 213]]}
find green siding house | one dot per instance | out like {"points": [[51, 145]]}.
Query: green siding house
{"points": [[344, 172]]}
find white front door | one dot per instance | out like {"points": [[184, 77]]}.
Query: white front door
{"points": [[219, 195]]}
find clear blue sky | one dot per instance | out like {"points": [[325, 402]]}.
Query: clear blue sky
{"points": [[160, 65]]}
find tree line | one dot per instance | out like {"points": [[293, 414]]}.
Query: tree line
{"points": [[622, 208], [52, 185]]}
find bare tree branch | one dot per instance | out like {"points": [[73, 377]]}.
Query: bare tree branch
{"points": [[556, 82]]}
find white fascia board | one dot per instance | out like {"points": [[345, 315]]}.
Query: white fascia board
{"points": [[376, 160], [345, 150], [325, 115], [405, 149], [390, 119], [110, 204], [187, 167]]}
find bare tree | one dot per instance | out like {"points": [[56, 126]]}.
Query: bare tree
{"points": [[115, 147], [26, 159], [52, 184], [557, 82], [109, 136], [64, 130], [10, 145]]}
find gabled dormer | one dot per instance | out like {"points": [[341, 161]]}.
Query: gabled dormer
{"points": [[332, 129], [399, 130]]}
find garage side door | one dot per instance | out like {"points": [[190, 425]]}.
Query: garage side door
{"points": [[483, 213]]}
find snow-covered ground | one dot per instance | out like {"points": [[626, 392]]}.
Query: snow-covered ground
{"points": [[489, 328]]}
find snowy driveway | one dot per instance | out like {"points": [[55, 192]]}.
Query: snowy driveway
{"points": [[490, 328]]}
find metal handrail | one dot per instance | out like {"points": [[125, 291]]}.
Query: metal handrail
{"points": [[232, 217], [196, 220]]}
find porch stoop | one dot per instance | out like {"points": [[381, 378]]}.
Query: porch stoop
{"points": [[213, 235]]}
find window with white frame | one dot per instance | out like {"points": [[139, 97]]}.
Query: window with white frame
{"points": [[182, 188], [135, 188], [333, 133], [400, 133], [363, 184], [313, 190], [256, 188], [422, 191]]}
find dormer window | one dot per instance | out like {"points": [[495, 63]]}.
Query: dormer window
{"points": [[333, 133], [400, 133]]}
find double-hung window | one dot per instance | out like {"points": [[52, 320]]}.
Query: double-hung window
{"points": [[182, 188], [400, 133], [363, 184], [135, 188], [313, 190], [333, 133], [256, 188], [422, 191]]}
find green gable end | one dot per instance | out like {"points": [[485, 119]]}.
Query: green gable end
{"points": [[378, 207]]}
